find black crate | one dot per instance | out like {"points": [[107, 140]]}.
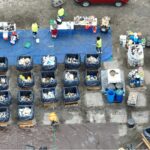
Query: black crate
{"points": [[92, 78], [25, 84], [5, 98], [23, 114], [71, 98], [50, 80], [3, 64], [25, 97], [4, 114], [4, 82], [49, 99], [92, 64], [72, 61], [75, 81], [51, 65], [27, 66]]}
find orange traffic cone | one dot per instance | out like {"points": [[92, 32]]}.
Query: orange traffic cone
{"points": [[94, 29]]}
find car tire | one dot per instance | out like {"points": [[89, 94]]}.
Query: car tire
{"points": [[85, 4], [118, 4]]}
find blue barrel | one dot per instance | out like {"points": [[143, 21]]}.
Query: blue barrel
{"points": [[119, 96], [110, 96], [137, 82]]}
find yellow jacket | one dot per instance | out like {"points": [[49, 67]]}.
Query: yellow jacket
{"points": [[61, 12], [99, 43], [34, 27], [53, 117]]}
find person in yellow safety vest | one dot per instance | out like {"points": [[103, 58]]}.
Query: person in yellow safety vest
{"points": [[35, 29], [53, 119], [99, 45], [61, 12]]}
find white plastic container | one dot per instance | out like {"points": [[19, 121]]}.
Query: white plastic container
{"points": [[123, 40]]}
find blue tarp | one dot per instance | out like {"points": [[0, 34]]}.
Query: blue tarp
{"points": [[77, 41]]}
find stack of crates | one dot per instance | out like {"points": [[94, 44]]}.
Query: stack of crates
{"points": [[92, 74], [25, 95], [48, 80], [5, 96], [71, 79]]}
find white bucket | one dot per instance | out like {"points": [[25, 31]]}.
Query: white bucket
{"points": [[123, 40], [37, 40]]}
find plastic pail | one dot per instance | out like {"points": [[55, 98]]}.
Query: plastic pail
{"points": [[110, 96]]}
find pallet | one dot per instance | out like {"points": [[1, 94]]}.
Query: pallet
{"points": [[51, 105], [146, 142], [27, 124], [138, 89], [3, 72], [3, 124], [70, 104], [94, 88]]}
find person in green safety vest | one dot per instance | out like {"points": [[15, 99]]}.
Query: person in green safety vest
{"points": [[99, 45], [34, 29], [61, 12]]}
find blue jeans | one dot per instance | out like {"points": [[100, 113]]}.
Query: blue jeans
{"points": [[99, 49]]}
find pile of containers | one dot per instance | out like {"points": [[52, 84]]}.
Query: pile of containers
{"points": [[71, 78], [48, 80], [92, 75], [5, 96], [25, 96]]}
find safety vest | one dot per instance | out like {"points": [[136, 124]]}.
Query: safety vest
{"points": [[99, 43], [61, 12], [34, 27]]}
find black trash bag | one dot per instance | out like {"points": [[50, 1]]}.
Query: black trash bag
{"points": [[146, 133], [5, 98], [72, 61], [92, 61], [25, 80], [71, 94], [48, 95], [49, 62], [92, 78], [4, 82], [24, 63], [3, 64], [25, 112], [71, 78], [4, 114], [48, 79], [25, 97]]}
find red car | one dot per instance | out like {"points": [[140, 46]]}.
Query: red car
{"points": [[117, 3]]}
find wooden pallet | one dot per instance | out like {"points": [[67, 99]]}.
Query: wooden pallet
{"points": [[70, 104], [145, 141], [51, 105], [94, 88], [27, 124], [3, 72], [3, 124]]}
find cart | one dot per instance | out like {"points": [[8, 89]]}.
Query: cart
{"points": [[57, 3]]}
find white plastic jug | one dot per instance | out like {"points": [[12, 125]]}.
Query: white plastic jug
{"points": [[37, 40]]}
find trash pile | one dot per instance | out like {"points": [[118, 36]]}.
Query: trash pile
{"points": [[3, 115], [48, 95], [3, 81], [25, 79], [105, 24], [24, 61], [48, 80], [25, 112], [72, 60], [92, 60], [91, 77], [70, 76], [136, 77], [3, 64], [49, 60], [25, 98], [3, 98], [135, 55], [71, 94]]}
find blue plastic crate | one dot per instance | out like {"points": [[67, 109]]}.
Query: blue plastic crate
{"points": [[92, 81], [3, 64], [49, 77], [70, 98], [27, 67], [50, 65], [48, 98], [22, 116], [74, 82], [24, 84], [90, 64], [5, 98], [25, 97], [70, 64], [4, 114], [4, 82]]}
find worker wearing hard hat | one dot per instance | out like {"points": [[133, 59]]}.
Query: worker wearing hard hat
{"points": [[34, 29], [53, 118], [61, 12]]}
